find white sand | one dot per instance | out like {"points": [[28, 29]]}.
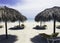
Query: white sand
{"points": [[28, 32]]}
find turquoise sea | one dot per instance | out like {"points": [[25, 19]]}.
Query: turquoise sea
{"points": [[30, 19]]}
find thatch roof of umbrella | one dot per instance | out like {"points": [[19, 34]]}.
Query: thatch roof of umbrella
{"points": [[10, 14], [44, 15], [6, 14], [49, 14], [56, 12]]}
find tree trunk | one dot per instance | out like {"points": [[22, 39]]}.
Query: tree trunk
{"points": [[6, 29]]}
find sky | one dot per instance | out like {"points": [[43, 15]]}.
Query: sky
{"points": [[30, 8]]}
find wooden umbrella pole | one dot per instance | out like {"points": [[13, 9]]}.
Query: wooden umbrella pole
{"points": [[19, 22], [54, 26], [40, 23], [6, 29]]}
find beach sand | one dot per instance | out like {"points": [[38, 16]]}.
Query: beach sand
{"points": [[25, 35]]}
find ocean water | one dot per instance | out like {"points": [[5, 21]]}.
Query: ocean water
{"points": [[31, 20]]}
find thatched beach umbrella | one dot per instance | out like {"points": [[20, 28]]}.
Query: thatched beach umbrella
{"points": [[23, 18], [9, 15], [49, 14], [43, 16]]}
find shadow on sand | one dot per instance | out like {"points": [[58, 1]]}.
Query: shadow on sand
{"points": [[38, 39], [11, 39], [40, 27], [1, 26], [16, 28], [58, 27]]}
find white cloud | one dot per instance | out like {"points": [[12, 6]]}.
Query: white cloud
{"points": [[37, 4], [30, 8]]}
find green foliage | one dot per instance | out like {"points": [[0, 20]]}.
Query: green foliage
{"points": [[49, 36], [54, 34], [45, 35], [22, 25], [1, 26]]}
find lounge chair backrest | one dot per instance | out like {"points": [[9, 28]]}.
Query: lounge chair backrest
{"points": [[54, 35], [45, 35]]}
